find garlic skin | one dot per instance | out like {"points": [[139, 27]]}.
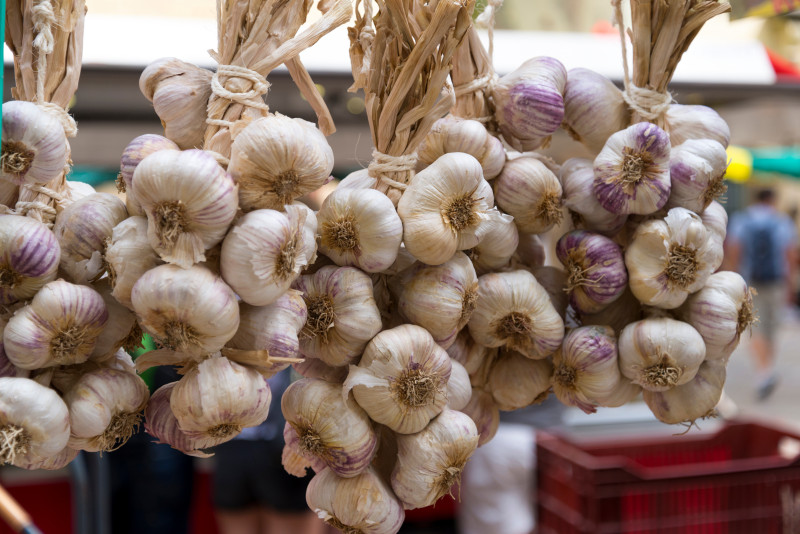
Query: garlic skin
{"points": [[329, 427], [189, 200], [516, 381], [8, 369], [484, 413], [720, 312], [128, 256], [459, 389], [696, 122], [444, 207], [595, 270], [500, 242], [632, 171], [659, 354], [619, 314], [594, 108], [276, 159], [105, 408], [187, 310], [577, 179], [554, 281], [473, 356], [715, 219], [9, 193], [119, 328], [667, 259], [692, 401], [430, 462], [79, 190], [454, 134], [360, 228], [514, 311], [217, 398], [401, 379], [34, 145], [82, 230], [34, 421], [697, 171], [264, 253], [342, 314], [29, 257], [530, 250], [138, 149], [359, 179], [440, 298], [52, 463], [531, 193], [160, 422], [363, 504], [59, 327], [314, 368]]}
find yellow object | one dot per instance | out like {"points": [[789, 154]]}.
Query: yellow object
{"points": [[741, 164]]}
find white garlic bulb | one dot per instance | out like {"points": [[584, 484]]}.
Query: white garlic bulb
{"points": [[661, 353], [594, 108], [79, 190], [715, 219], [696, 122], [498, 245], [697, 171], [667, 259], [692, 401], [401, 379], [189, 200], [52, 463], [314, 368], [459, 388], [516, 381], [514, 311], [484, 413], [160, 423], [29, 257], [454, 134], [531, 193], [138, 149], [430, 462], [187, 310], [475, 358], [34, 145], [128, 256], [360, 228], [359, 179], [8, 369], [444, 207], [577, 179]]}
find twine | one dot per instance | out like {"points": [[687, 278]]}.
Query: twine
{"points": [[384, 164], [47, 212], [487, 20], [251, 98]]}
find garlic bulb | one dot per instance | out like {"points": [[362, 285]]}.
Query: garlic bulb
{"points": [[440, 298], [454, 134], [625, 392], [359, 179], [134, 153], [360, 228], [516, 381], [276, 159], [128, 256], [314, 368], [82, 230], [692, 401], [34, 145], [697, 171], [34, 421], [715, 219], [669, 258], [215, 399], [189, 200], [530, 250], [531, 193], [79, 190], [328, 427], [515, 311], [484, 413], [363, 504], [594, 108], [160, 422], [595, 270], [59, 327], [659, 354], [444, 207], [459, 389], [187, 310], [720, 312], [499, 243], [342, 314], [577, 179], [430, 462], [179, 92], [29, 256], [401, 379], [121, 329], [696, 122], [586, 368], [619, 314], [264, 253], [8, 369], [105, 408], [632, 171], [530, 103], [473, 356], [554, 281], [52, 463]]}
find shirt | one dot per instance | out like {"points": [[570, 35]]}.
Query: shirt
{"points": [[758, 214]]}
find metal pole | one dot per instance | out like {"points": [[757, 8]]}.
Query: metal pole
{"points": [[81, 497], [101, 487]]}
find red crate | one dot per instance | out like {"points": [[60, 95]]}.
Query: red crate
{"points": [[737, 480]]}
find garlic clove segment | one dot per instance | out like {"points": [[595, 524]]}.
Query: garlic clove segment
{"points": [[577, 179], [160, 423], [692, 401], [35, 148], [516, 381], [715, 219], [29, 257], [484, 413], [138, 149], [454, 134], [128, 256], [696, 122], [594, 108], [527, 190], [499, 243], [459, 388], [697, 171]]}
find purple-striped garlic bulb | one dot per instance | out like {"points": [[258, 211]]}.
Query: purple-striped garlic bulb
{"points": [[34, 145], [454, 134], [577, 180], [29, 257], [516, 381], [160, 422], [696, 122], [697, 171], [138, 149], [631, 173], [691, 401], [527, 190], [594, 108], [596, 274]]}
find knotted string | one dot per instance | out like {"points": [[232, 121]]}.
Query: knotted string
{"points": [[251, 98], [487, 20], [383, 165]]}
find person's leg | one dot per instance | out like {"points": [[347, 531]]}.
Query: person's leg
{"points": [[245, 521], [769, 303]]}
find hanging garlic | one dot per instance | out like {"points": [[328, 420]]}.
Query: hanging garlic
{"points": [[342, 314], [531, 251], [105, 409], [454, 134], [444, 207], [327, 427], [8, 369], [34, 421], [264, 253], [309, 233], [473, 356], [696, 122], [661, 353], [577, 179], [160, 422], [363, 504], [79, 190], [692, 401], [720, 312], [531, 193], [459, 388], [669, 258], [359, 179], [187, 310], [401, 379], [134, 153], [34, 145], [314, 368], [625, 392], [697, 171], [594, 108], [128, 256], [516, 381], [189, 200], [440, 298], [484, 413], [619, 314], [216, 398], [29, 256], [515, 311], [715, 219], [430, 462], [632, 171], [82, 230], [59, 327], [121, 329], [360, 228], [499, 243], [52, 463], [276, 159]]}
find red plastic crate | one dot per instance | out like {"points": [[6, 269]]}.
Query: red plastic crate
{"points": [[733, 481]]}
